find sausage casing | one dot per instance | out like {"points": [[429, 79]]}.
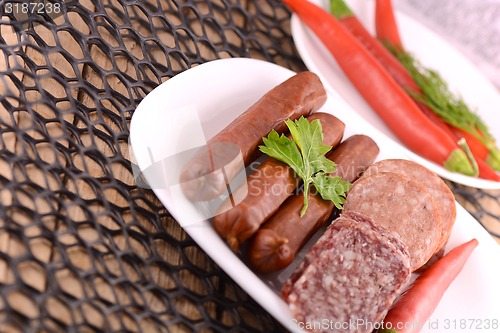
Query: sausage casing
{"points": [[268, 187], [276, 244], [300, 95]]}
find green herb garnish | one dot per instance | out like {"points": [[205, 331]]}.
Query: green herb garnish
{"points": [[305, 154], [451, 108]]}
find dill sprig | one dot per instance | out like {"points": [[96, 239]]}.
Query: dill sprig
{"points": [[436, 94]]}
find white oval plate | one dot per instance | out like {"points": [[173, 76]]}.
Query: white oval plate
{"points": [[463, 77], [219, 91]]}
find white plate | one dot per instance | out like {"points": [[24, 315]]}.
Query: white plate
{"points": [[463, 77], [219, 91]]}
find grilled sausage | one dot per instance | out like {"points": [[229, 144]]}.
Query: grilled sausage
{"points": [[206, 175], [268, 187], [277, 242]]}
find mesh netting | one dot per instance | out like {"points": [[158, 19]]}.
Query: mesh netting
{"points": [[82, 248]]}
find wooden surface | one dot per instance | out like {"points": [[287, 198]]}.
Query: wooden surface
{"points": [[32, 274]]}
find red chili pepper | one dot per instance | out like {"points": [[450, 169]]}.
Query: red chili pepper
{"points": [[387, 30], [417, 304], [346, 17], [477, 147], [380, 90], [385, 24], [485, 171], [478, 150], [401, 75]]}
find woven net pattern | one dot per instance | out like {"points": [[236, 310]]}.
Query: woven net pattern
{"points": [[82, 247]]}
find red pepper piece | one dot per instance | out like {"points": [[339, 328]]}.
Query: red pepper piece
{"points": [[418, 303], [385, 24]]}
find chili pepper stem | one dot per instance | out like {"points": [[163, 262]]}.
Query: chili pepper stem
{"points": [[462, 143], [339, 9], [458, 161], [493, 159]]}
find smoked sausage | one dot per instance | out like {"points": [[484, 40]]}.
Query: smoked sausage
{"points": [[206, 175], [401, 205], [277, 242], [440, 192], [268, 187]]}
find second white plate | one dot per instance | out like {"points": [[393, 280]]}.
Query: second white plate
{"points": [[462, 76]]}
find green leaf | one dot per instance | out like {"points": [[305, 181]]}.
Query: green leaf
{"points": [[331, 188], [324, 164], [305, 154], [309, 138], [285, 150]]}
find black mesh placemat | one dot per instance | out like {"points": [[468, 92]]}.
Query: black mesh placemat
{"points": [[82, 247]]}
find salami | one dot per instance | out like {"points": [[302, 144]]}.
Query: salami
{"points": [[403, 206], [440, 192], [351, 276]]}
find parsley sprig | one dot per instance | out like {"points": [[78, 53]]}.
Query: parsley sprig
{"points": [[305, 154]]}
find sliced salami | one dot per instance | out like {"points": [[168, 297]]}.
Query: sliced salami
{"points": [[437, 188], [400, 205], [351, 277], [367, 222]]}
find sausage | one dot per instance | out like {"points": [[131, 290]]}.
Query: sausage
{"points": [[354, 156], [206, 175], [273, 247], [353, 273], [268, 187], [401, 205], [437, 188], [277, 242]]}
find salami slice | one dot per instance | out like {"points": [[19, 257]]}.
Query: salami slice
{"points": [[351, 276], [394, 239], [440, 192], [400, 205]]}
